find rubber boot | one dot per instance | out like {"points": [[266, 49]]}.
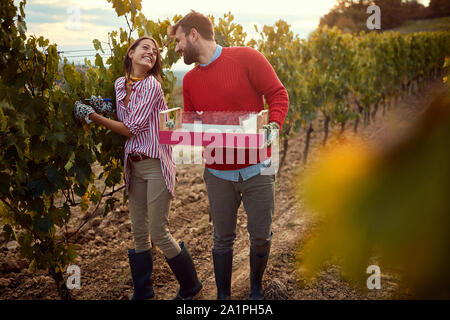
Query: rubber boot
{"points": [[258, 262], [223, 266], [141, 265], [183, 268]]}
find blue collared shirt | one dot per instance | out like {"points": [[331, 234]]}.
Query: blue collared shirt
{"points": [[215, 55], [245, 173]]}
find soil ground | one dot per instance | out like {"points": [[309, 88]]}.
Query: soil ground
{"points": [[103, 243]]}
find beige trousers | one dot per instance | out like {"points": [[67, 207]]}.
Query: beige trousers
{"points": [[149, 208]]}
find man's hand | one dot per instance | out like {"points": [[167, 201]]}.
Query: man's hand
{"points": [[170, 124], [100, 106], [82, 111], [271, 133]]}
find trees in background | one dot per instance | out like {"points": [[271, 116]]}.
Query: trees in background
{"points": [[351, 16], [438, 8]]}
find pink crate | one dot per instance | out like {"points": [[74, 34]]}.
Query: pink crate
{"points": [[207, 139], [218, 129]]}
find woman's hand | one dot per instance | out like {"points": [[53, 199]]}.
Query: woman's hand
{"points": [[83, 111], [100, 106], [88, 114]]}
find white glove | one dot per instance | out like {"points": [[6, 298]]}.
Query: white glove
{"points": [[271, 135], [100, 106], [82, 111]]}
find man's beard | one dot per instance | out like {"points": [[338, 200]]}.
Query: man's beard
{"points": [[190, 53]]}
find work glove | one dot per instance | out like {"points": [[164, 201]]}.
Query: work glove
{"points": [[170, 124], [101, 106], [271, 133], [82, 111]]}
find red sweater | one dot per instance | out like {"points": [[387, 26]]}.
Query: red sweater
{"points": [[236, 81]]}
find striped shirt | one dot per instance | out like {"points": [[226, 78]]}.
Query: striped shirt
{"points": [[141, 117]]}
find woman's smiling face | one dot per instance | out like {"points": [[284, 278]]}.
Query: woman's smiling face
{"points": [[144, 55]]}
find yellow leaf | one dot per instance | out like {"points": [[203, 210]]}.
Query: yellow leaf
{"points": [[85, 202]]}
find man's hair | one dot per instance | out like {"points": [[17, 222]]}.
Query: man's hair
{"points": [[195, 20]]}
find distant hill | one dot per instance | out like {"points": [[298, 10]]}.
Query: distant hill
{"points": [[435, 24]]}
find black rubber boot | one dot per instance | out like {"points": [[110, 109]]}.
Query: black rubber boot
{"points": [[183, 268], [223, 266], [141, 271], [258, 262]]}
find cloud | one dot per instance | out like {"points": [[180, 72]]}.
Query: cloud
{"points": [[68, 24], [44, 13], [54, 13], [57, 32], [58, 20]]}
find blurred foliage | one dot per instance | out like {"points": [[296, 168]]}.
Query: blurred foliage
{"points": [[46, 157], [388, 205]]}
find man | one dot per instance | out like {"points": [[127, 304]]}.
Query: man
{"points": [[233, 79]]}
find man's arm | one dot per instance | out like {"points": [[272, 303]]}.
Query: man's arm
{"points": [[265, 80]]}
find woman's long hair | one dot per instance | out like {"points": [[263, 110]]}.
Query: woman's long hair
{"points": [[157, 68]]}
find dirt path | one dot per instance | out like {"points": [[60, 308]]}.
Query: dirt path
{"points": [[103, 258]]}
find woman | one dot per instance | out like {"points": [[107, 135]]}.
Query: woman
{"points": [[149, 169]]}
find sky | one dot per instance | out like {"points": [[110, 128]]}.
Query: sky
{"points": [[73, 24]]}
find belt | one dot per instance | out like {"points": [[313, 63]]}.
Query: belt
{"points": [[137, 157]]}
